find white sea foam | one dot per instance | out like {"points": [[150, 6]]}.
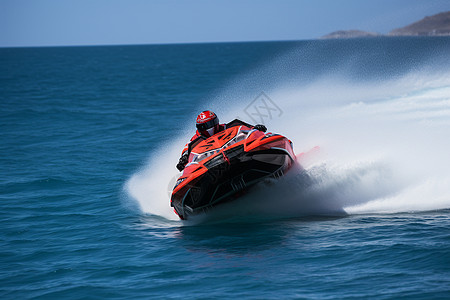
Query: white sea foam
{"points": [[384, 147], [151, 185], [384, 153]]}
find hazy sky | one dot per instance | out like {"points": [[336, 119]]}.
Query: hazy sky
{"points": [[99, 22]]}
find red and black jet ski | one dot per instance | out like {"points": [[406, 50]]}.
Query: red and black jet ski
{"points": [[220, 168]]}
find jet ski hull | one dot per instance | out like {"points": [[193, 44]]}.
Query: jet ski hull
{"points": [[231, 171]]}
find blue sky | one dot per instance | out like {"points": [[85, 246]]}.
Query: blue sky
{"points": [[105, 22]]}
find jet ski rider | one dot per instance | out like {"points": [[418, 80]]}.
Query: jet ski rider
{"points": [[207, 125]]}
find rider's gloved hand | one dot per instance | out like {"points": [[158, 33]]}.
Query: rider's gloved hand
{"points": [[260, 127], [182, 162]]}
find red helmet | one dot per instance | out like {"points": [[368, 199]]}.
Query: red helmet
{"points": [[207, 123]]}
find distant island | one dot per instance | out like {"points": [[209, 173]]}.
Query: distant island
{"points": [[348, 34], [436, 25]]}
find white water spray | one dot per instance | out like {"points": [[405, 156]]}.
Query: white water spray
{"points": [[385, 147]]}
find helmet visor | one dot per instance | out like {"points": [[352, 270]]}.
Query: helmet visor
{"points": [[208, 125]]}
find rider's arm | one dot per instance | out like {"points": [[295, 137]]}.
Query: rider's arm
{"points": [[187, 150], [183, 161], [260, 127], [237, 122]]}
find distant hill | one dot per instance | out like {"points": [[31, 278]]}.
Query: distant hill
{"points": [[436, 25], [347, 34]]}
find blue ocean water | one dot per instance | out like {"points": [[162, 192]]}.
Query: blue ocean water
{"points": [[90, 137]]}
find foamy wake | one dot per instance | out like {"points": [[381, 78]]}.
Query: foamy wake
{"points": [[384, 149]]}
